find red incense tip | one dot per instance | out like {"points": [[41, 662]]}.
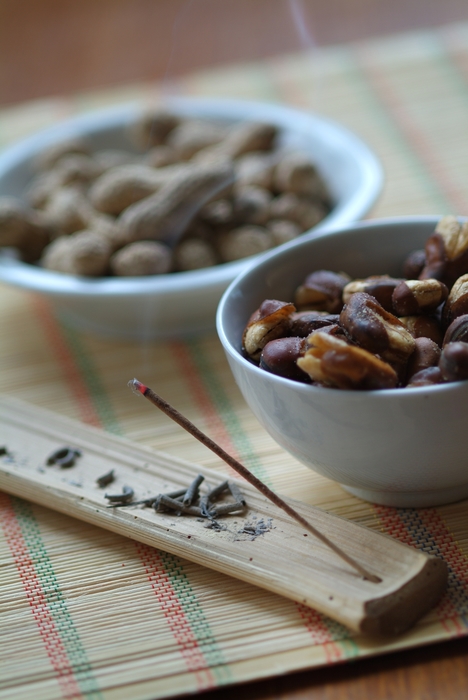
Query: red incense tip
{"points": [[137, 387]]}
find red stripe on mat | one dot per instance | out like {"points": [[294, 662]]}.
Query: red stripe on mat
{"points": [[175, 616], [37, 601]]}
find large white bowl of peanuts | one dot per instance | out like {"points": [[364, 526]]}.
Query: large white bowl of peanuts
{"points": [[134, 221], [353, 354]]}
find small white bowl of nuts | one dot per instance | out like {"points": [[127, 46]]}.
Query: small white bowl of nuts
{"points": [[134, 222], [352, 351]]}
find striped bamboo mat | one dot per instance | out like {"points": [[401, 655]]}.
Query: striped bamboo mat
{"points": [[87, 614]]}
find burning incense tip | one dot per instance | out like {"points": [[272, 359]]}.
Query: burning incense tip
{"points": [[137, 387], [187, 425]]}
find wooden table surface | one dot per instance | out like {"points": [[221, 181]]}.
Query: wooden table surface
{"points": [[51, 47]]}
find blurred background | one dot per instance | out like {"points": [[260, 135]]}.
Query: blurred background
{"points": [[51, 47]]}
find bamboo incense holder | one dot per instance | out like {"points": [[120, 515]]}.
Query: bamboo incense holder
{"points": [[284, 559]]}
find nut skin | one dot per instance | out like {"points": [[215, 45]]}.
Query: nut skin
{"points": [[333, 362], [425, 354], [426, 377], [381, 287], [423, 327], [165, 215], [457, 302], [413, 297], [446, 251], [279, 357], [457, 330], [321, 291], [453, 362], [268, 322], [414, 264], [303, 323], [376, 330]]}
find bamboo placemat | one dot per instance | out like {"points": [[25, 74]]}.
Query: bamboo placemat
{"points": [[88, 614]]}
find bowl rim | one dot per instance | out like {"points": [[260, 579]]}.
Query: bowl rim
{"points": [[308, 389], [28, 276]]}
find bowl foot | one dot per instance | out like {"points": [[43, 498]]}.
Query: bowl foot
{"points": [[411, 499]]}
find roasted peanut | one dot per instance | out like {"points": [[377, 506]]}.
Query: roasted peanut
{"points": [[142, 258], [251, 205], [279, 357], [303, 323], [454, 361], [414, 264], [447, 251], [282, 230], [457, 301], [68, 211], [256, 169], [22, 228], [426, 354], [268, 322], [165, 215], [412, 297], [375, 329], [380, 287], [50, 155], [332, 361], [457, 331], [423, 327], [426, 377], [321, 291]]}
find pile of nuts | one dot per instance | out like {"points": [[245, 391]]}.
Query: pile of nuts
{"points": [[375, 333], [196, 194]]}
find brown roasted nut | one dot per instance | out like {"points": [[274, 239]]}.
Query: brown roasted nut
{"points": [[447, 251], [412, 297], [457, 302], [457, 331], [375, 329], [332, 361], [241, 138], [414, 264], [380, 287], [142, 258], [279, 357], [425, 354], [322, 291], [243, 242], [68, 210], [303, 323], [268, 322], [426, 377], [164, 216], [423, 327], [454, 361]]}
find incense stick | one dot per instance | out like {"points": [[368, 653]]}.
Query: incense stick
{"points": [[185, 423]]}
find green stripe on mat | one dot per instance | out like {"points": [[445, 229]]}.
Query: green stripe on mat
{"points": [[46, 576], [225, 410], [175, 568]]}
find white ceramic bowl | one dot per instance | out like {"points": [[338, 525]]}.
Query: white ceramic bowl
{"points": [[183, 303], [400, 447]]}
